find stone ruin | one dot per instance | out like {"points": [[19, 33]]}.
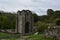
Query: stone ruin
{"points": [[24, 22], [53, 32]]}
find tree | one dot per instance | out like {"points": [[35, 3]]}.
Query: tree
{"points": [[58, 21], [7, 20], [57, 14], [50, 12], [35, 17]]}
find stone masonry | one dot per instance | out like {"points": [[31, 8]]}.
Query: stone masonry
{"points": [[24, 22]]}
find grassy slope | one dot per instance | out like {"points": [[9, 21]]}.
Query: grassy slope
{"points": [[8, 36], [5, 34], [31, 37], [38, 37]]}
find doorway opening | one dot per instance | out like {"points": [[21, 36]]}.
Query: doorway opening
{"points": [[27, 27]]}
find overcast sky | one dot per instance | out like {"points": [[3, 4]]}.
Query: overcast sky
{"points": [[38, 6]]}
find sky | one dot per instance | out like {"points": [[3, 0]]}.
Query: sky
{"points": [[38, 6]]}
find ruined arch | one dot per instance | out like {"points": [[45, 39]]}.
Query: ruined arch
{"points": [[24, 22]]}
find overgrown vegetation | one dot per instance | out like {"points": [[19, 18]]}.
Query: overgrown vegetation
{"points": [[41, 26], [7, 20], [38, 37], [8, 36], [58, 21], [46, 20]]}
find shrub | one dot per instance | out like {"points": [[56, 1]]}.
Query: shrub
{"points": [[58, 21], [41, 26]]}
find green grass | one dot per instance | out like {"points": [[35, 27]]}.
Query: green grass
{"points": [[38, 37], [8, 36], [31, 37], [8, 39], [5, 34]]}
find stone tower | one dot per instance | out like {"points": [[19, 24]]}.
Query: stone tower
{"points": [[24, 22]]}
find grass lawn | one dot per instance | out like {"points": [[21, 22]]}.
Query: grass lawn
{"points": [[5, 34], [8, 36], [8, 39], [31, 37], [38, 37]]}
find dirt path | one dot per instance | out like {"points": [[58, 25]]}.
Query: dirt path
{"points": [[22, 37]]}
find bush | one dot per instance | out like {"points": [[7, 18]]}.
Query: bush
{"points": [[58, 21], [41, 26]]}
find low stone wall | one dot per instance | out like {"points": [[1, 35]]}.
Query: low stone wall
{"points": [[8, 30]]}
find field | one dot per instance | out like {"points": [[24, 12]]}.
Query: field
{"points": [[30, 37], [8, 36], [38, 37]]}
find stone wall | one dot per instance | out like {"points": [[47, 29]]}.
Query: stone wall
{"points": [[53, 32], [24, 16]]}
